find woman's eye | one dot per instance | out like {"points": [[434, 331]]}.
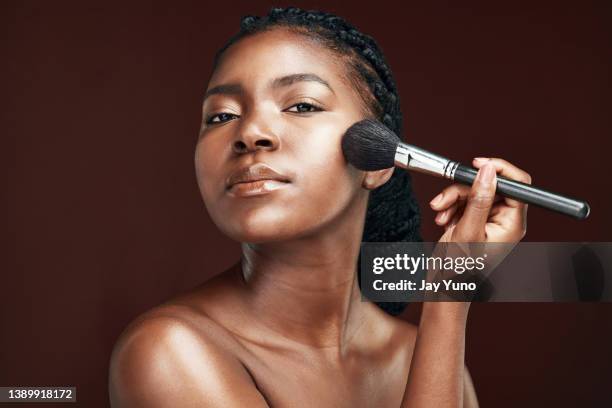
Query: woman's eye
{"points": [[220, 118], [304, 107]]}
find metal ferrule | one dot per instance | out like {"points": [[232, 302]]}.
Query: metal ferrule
{"points": [[414, 158]]}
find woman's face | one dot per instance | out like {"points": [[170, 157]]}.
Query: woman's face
{"points": [[277, 103]]}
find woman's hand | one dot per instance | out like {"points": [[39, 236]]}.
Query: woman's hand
{"points": [[468, 214], [476, 214]]}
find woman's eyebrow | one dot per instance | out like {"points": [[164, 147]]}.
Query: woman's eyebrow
{"points": [[287, 80], [293, 78], [225, 89]]}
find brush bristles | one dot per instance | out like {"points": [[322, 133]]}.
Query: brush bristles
{"points": [[369, 145]]}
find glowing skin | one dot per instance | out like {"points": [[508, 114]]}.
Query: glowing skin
{"points": [[286, 326], [299, 141]]}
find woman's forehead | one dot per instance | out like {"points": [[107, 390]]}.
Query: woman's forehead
{"points": [[262, 57]]}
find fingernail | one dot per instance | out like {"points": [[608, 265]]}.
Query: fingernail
{"points": [[481, 159], [443, 216], [436, 199], [487, 174]]}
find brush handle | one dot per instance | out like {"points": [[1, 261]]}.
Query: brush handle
{"points": [[528, 193]]}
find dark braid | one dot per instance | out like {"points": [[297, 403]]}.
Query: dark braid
{"points": [[393, 213]]}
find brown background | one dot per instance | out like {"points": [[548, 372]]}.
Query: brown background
{"points": [[104, 216]]}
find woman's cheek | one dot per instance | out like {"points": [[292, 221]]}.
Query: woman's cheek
{"points": [[208, 168], [330, 190], [210, 191], [328, 183]]}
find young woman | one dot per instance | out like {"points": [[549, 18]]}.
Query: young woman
{"points": [[286, 326]]}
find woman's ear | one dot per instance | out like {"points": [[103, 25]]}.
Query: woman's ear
{"points": [[375, 179]]}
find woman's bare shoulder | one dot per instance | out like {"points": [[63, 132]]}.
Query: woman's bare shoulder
{"points": [[188, 314], [175, 352], [192, 310]]}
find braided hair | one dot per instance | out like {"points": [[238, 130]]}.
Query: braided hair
{"points": [[393, 213]]}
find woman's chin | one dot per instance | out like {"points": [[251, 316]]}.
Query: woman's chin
{"points": [[261, 228], [261, 236]]}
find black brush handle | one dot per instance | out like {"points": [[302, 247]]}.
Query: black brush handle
{"points": [[529, 194]]}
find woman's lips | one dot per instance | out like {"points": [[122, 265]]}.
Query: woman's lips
{"points": [[256, 188]]}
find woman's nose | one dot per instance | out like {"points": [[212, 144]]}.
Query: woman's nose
{"points": [[254, 135]]}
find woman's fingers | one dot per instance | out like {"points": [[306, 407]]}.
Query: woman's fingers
{"points": [[450, 200], [449, 196], [508, 170], [471, 226], [455, 193], [504, 168], [513, 216], [470, 208], [443, 217]]}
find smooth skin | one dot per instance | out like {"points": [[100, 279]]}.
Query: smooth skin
{"points": [[286, 326]]}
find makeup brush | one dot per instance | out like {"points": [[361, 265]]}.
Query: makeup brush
{"points": [[370, 145]]}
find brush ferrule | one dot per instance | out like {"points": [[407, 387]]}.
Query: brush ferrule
{"points": [[414, 158]]}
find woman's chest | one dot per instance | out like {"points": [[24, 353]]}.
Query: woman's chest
{"points": [[292, 379]]}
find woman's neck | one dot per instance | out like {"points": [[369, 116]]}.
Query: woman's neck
{"points": [[307, 289]]}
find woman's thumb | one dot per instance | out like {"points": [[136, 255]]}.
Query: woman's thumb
{"points": [[471, 226]]}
